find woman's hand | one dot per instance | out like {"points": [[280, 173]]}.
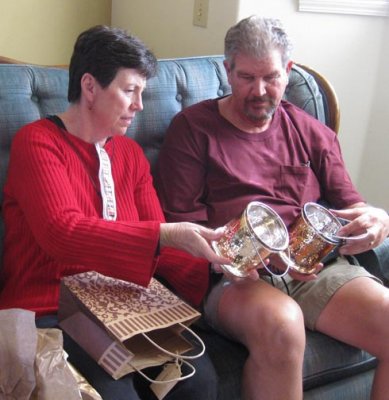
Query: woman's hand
{"points": [[192, 238], [370, 223], [252, 274]]}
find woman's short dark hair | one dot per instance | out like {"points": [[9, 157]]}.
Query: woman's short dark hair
{"points": [[102, 51]]}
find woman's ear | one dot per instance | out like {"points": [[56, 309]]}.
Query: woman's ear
{"points": [[88, 86]]}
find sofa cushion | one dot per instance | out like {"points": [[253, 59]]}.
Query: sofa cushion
{"points": [[355, 387], [326, 360], [182, 82], [28, 93], [31, 92], [178, 84]]}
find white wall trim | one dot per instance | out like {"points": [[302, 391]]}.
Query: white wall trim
{"points": [[359, 7]]}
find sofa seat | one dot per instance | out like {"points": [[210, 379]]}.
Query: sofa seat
{"points": [[326, 361], [332, 370]]}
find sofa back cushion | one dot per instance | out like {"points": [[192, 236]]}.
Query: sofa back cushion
{"points": [[182, 82], [30, 92]]}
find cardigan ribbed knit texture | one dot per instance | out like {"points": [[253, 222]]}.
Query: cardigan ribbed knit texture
{"points": [[54, 227]]}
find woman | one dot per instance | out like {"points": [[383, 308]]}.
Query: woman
{"points": [[79, 197]]}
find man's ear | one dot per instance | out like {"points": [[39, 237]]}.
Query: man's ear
{"points": [[227, 67], [289, 66]]}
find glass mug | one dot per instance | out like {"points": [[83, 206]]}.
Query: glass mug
{"points": [[251, 238], [260, 233], [311, 238]]}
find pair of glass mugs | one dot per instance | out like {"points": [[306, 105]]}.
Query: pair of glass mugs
{"points": [[260, 233]]}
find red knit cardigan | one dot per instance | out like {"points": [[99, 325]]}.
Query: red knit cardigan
{"points": [[54, 227]]}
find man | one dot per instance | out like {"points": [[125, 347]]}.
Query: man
{"points": [[251, 145]]}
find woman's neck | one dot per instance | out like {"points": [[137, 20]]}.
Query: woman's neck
{"points": [[79, 125]]}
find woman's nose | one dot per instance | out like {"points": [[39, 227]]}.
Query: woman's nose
{"points": [[137, 104]]}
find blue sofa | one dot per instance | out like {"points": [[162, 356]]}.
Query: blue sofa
{"points": [[332, 370]]}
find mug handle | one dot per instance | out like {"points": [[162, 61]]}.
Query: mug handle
{"points": [[285, 258], [281, 253], [290, 263]]}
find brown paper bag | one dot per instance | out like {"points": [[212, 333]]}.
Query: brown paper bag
{"points": [[87, 391], [108, 318], [18, 341], [54, 379]]}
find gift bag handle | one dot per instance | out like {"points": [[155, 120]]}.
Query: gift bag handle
{"points": [[181, 378], [175, 355]]}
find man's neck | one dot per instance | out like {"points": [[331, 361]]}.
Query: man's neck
{"points": [[227, 111]]}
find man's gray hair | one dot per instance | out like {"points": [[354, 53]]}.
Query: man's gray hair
{"points": [[256, 36]]}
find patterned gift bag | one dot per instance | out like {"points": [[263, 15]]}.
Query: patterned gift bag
{"points": [[123, 326]]}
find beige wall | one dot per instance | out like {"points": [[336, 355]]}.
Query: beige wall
{"points": [[350, 50], [375, 156], [166, 25], [44, 31]]}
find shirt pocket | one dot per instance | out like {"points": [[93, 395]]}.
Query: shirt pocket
{"points": [[298, 184]]}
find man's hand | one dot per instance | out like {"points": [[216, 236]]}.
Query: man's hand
{"points": [[305, 277], [281, 263], [370, 223]]}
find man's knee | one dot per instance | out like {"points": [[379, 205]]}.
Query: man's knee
{"points": [[280, 326]]}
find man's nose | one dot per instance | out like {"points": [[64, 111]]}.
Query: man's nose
{"points": [[259, 87]]}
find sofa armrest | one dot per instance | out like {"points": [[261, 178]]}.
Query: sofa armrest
{"points": [[376, 261]]}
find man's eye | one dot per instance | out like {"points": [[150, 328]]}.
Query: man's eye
{"points": [[273, 78]]}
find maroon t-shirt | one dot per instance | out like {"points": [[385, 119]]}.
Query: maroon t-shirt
{"points": [[209, 170]]}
